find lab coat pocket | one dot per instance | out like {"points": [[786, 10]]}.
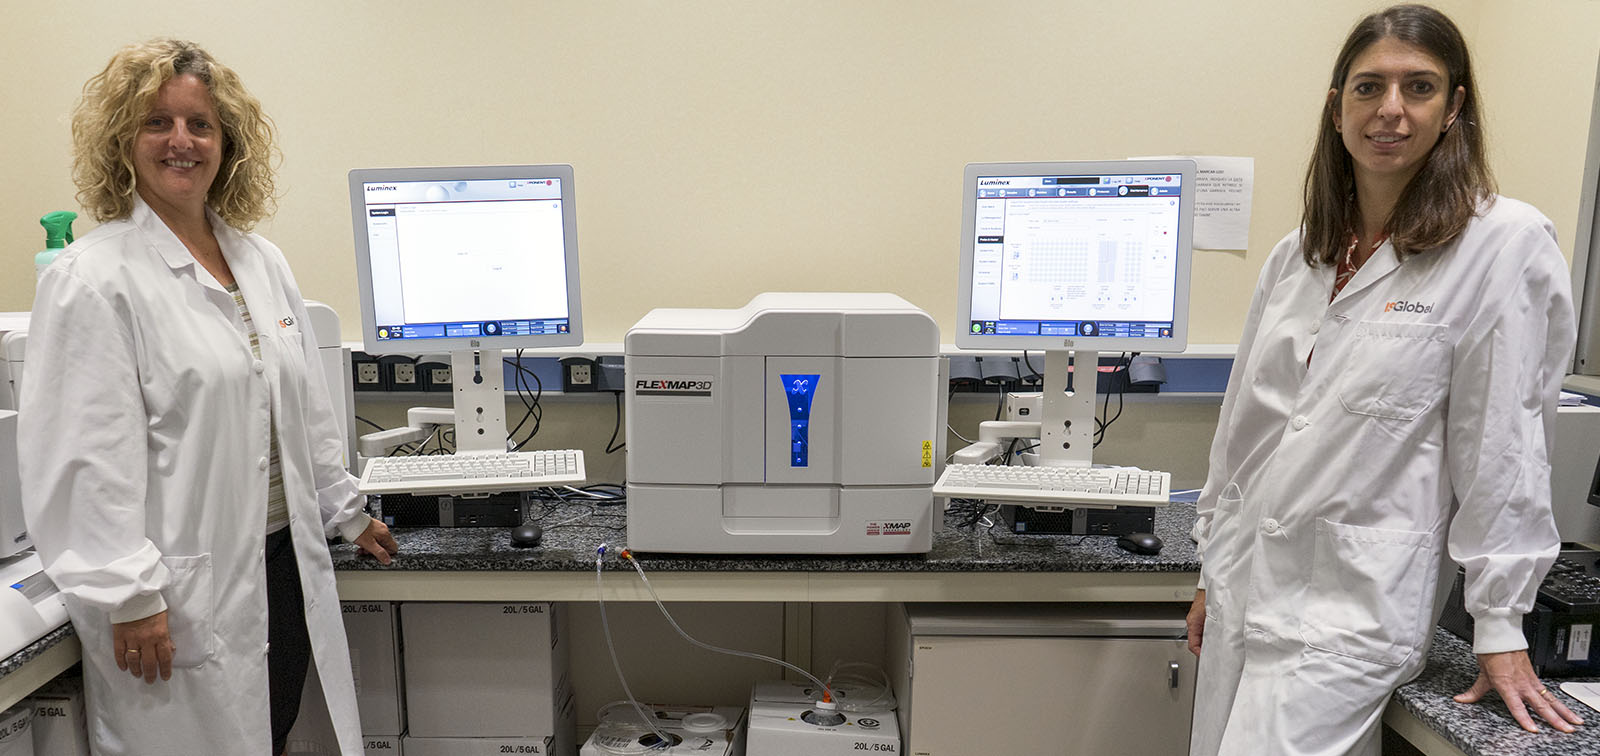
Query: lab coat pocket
{"points": [[292, 347], [1396, 370], [1369, 592], [191, 606], [1222, 550]]}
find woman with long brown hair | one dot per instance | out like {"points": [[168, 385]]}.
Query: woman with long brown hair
{"points": [[1388, 418]]}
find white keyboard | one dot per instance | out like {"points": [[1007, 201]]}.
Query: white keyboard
{"points": [[473, 472], [1053, 489]]}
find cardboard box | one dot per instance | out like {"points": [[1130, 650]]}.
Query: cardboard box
{"points": [[16, 731], [544, 746], [560, 743], [382, 745], [373, 631], [477, 670], [312, 734], [783, 723], [303, 742], [59, 726]]}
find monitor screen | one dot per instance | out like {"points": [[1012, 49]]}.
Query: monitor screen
{"points": [[1076, 255], [481, 257]]}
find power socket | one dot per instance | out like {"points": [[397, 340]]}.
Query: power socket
{"points": [[405, 374], [399, 372], [433, 372], [577, 375], [367, 372]]}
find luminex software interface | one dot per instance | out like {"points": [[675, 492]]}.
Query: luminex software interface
{"points": [[1076, 255], [454, 259]]}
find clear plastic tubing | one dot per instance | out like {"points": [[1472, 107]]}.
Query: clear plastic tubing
{"points": [[662, 741]]}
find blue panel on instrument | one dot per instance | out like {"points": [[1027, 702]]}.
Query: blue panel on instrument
{"points": [[799, 390]]}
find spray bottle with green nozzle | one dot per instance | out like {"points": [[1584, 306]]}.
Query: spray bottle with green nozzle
{"points": [[57, 235]]}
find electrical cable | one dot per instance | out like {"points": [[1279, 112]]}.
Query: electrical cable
{"points": [[519, 385], [1102, 422], [1029, 364], [612, 446], [369, 422], [422, 447], [533, 407], [969, 512]]}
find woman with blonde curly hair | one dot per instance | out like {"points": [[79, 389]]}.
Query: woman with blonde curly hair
{"points": [[181, 465]]}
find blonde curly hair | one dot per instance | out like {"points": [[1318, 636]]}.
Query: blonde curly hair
{"points": [[114, 104]]}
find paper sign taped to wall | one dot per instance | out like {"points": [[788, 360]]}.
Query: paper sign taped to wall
{"points": [[1221, 201]]}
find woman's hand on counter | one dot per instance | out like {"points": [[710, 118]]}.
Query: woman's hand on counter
{"points": [[378, 541], [1510, 674]]}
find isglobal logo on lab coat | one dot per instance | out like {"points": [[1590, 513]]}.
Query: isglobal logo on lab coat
{"points": [[1404, 306]]}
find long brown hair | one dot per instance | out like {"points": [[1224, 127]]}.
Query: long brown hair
{"points": [[1436, 205]]}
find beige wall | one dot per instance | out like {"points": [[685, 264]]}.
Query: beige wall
{"points": [[717, 144]]}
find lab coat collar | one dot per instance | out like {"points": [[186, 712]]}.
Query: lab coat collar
{"points": [[1381, 264], [166, 243]]}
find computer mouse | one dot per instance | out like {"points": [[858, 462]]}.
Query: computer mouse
{"points": [[1140, 543], [526, 535]]}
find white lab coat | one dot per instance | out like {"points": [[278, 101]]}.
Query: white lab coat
{"points": [[1422, 424], [143, 434]]}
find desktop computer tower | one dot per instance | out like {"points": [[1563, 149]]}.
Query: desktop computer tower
{"points": [[1118, 521], [502, 510]]}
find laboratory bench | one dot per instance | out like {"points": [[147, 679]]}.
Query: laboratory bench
{"points": [[967, 564]]}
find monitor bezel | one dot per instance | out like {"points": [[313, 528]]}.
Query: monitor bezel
{"points": [[417, 346], [1179, 341], [1594, 486]]}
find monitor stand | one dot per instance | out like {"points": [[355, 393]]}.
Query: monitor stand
{"points": [[1066, 430], [479, 381]]}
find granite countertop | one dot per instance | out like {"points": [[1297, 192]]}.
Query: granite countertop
{"points": [[1486, 728], [572, 531], [34, 650]]}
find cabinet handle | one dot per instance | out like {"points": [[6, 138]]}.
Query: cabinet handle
{"points": [[1172, 675]]}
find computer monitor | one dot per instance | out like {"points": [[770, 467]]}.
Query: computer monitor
{"points": [[1075, 258], [1594, 487], [471, 261]]}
